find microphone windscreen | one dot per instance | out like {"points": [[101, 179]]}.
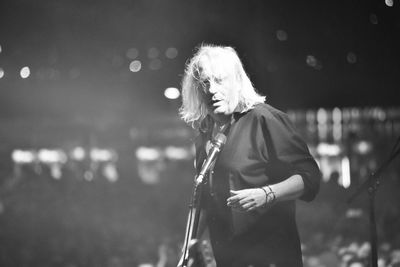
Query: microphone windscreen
{"points": [[220, 139]]}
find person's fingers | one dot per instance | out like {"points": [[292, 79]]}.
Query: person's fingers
{"points": [[239, 203], [233, 199], [249, 205]]}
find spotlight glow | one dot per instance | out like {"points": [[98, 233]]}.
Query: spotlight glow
{"points": [[171, 93]]}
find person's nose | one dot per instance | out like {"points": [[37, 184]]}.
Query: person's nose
{"points": [[212, 88]]}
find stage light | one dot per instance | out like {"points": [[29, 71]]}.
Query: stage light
{"points": [[78, 153], [1, 73], [132, 53], [346, 179], [176, 153], [325, 149], [389, 3], [135, 66], [337, 124], [171, 52], [379, 114], [23, 156], [25, 72], [147, 153], [55, 171], [322, 119], [52, 156], [97, 154], [171, 93], [110, 172], [363, 147]]}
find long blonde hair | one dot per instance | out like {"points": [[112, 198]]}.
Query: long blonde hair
{"points": [[193, 110]]}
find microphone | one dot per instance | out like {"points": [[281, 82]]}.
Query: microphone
{"points": [[216, 146]]}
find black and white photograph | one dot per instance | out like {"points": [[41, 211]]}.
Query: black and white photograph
{"points": [[199, 133]]}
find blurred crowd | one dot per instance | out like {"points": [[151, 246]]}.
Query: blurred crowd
{"points": [[72, 222]]}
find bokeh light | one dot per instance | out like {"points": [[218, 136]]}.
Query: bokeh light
{"points": [[171, 52], [135, 66], [313, 62], [281, 35], [78, 153], [171, 93], [1, 73], [25, 72], [351, 58], [373, 18], [389, 3], [132, 53], [23, 156]]}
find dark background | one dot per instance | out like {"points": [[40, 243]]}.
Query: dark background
{"points": [[88, 35]]}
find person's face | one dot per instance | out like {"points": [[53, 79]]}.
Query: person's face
{"points": [[219, 88]]}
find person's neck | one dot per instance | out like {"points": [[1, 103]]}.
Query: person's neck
{"points": [[222, 121]]}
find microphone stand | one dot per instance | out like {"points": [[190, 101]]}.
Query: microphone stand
{"points": [[371, 186], [195, 202]]}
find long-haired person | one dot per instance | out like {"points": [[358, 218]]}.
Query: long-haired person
{"points": [[249, 201]]}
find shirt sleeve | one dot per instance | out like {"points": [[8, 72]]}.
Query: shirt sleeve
{"points": [[287, 147]]}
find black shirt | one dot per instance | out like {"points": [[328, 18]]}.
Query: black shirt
{"points": [[262, 148]]}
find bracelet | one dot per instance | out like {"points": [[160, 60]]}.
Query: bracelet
{"points": [[267, 195]]}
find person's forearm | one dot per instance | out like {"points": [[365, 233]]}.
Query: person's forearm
{"points": [[289, 189]]}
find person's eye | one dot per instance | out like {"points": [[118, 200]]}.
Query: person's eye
{"points": [[218, 80], [205, 85]]}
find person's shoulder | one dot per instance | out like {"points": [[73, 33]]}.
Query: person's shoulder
{"points": [[266, 111]]}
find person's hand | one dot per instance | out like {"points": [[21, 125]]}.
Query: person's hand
{"points": [[247, 199]]}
